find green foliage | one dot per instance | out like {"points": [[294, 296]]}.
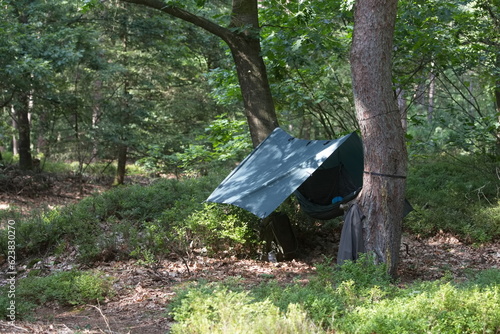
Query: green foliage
{"points": [[356, 303], [364, 272], [484, 278], [229, 138], [66, 288], [222, 227], [445, 66], [143, 222], [459, 196], [429, 307], [223, 311], [305, 46], [334, 291], [224, 140]]}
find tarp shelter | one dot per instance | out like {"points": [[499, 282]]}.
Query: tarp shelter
{"points": [[281, 165]]}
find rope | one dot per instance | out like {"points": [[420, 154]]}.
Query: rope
{"points": [[386, 175], [381, 114]]}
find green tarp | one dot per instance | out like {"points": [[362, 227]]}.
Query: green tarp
{"points": [[282, 163]]}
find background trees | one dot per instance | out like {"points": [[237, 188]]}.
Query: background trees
{"points": [[105, 80], [445, 67], [242, 37]]}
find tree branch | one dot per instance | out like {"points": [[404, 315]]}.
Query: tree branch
{"points": [[7, 101], [184, 15]]}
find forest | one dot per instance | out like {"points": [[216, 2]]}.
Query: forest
{"points": [[118, 119]]}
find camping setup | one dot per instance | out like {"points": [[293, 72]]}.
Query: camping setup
{"points": [[321, 173]]}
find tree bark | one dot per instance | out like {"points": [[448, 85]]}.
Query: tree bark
{"points": [[16, 130], [121, 165], [242, 37], [403, 108], [432, 92], [385, 159], [22, 113], [496, 132], [251, 70], [24, 131]]}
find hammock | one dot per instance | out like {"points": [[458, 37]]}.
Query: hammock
{"points": [[322, 194]]}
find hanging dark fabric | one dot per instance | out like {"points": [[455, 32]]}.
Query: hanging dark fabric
{"points": [[351, 237]]}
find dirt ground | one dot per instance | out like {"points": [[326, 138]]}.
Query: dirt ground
{"points": [[142, 294]]}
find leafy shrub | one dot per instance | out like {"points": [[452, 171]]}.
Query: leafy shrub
{"points": [[66, 288], [222, 227], [434, 307], [345, 302], [488, 277], [223, 311], [332, 293], [96, 222], [224, 140], [145, 222], [459, 197], [364, 272], [321, 302]]}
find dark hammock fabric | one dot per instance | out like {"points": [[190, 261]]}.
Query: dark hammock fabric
{"points": [[316, 193]]}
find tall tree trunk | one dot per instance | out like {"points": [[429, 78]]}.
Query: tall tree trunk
{"points": [[96, 113], [403, 108], [497, 102], [24, 131], [252, 76], [14, 126], [42, 143], [382, 198], [121, 165], [432, 92], [23, 111], [244, 43]]}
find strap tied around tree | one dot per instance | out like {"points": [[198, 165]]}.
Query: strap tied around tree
{"points": [[381, 114], [386, 175]]}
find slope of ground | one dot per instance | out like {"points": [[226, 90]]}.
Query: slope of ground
{"points": [[142, 293]]}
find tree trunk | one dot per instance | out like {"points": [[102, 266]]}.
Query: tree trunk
{"points": [[24, 131], [242, 37], [121, 165], [96, 113], [497, 102], [14, 126], [252, 74], [382, 198], [432, 92], [42, 143], [23, 111], [403, 108]]}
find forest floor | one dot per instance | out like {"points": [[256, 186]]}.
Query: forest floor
{"points": [[142, 294]]}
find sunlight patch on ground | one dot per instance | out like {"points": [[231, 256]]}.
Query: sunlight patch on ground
{"points": [[4, 206]]}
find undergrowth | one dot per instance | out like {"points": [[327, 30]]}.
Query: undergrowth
{"points": [[169, 216], [68, 288], [150, 222], [455, 195], [354, 298], [142, 222]]}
